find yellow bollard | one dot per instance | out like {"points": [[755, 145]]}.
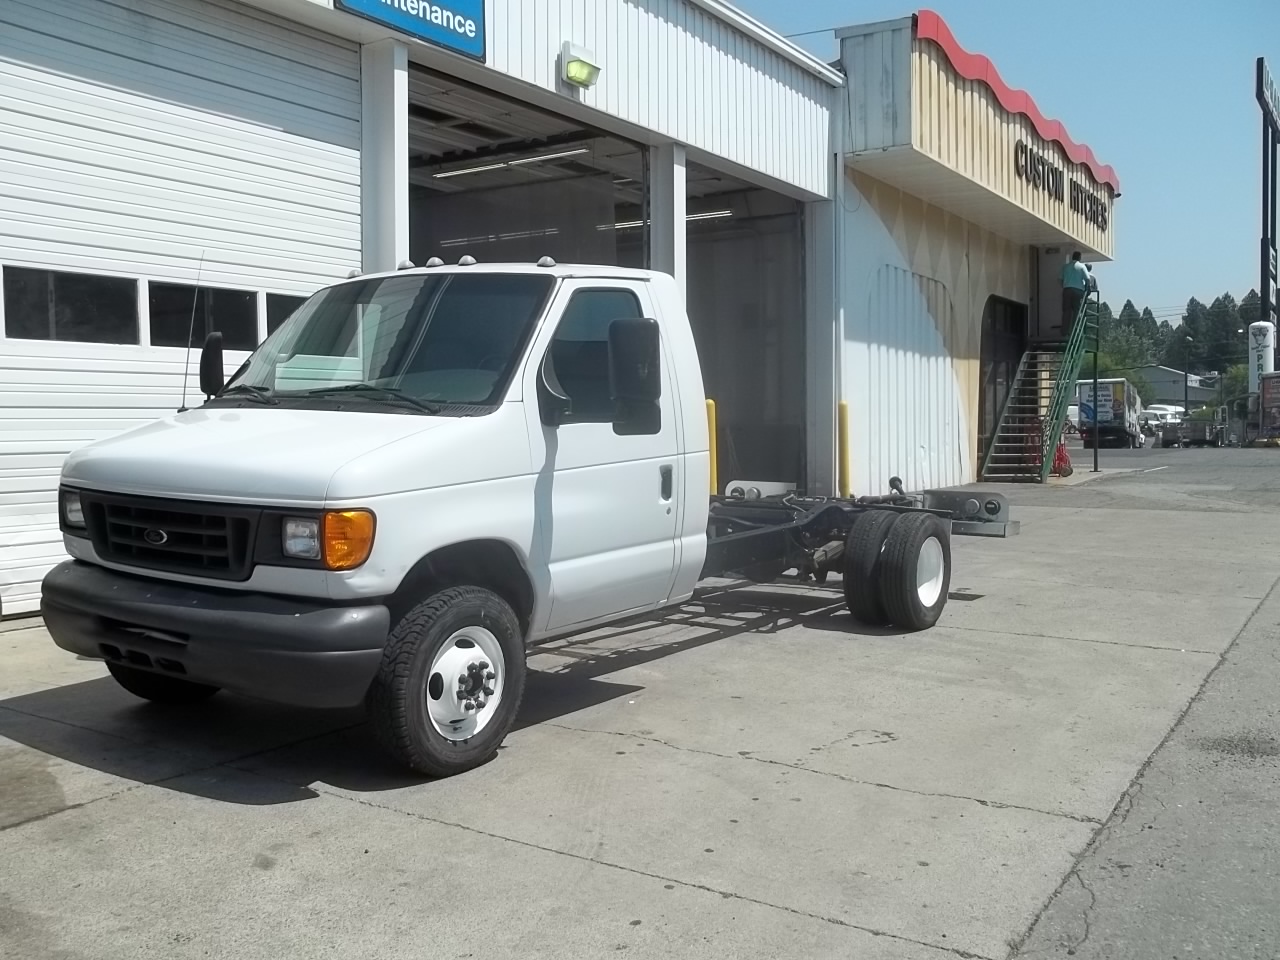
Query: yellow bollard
{"points": [[711, 441], [843, 463]]}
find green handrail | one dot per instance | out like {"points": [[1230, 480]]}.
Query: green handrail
{"points": [[1068, 373], [1004, 408]]}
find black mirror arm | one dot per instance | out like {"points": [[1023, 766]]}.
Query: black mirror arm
{"points": [[553, 402]]}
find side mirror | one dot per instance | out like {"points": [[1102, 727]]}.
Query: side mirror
{"points": [[635, 376], [553, 403], [212, 370]]}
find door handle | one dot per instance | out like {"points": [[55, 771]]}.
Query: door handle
{"points": [[666, 473]]}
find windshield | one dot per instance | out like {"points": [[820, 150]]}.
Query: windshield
{"points": [[442, 340]]}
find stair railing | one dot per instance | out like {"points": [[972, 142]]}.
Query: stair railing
{"points": [[1004, 409], [1068, 373]]}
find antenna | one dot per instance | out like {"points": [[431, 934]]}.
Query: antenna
{"points": [[191, 332]]}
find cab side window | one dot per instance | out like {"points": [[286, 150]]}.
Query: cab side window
{"points": [[580, 351]]}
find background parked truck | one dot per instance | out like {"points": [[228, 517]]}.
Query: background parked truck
{"points": [[1117, 410]]}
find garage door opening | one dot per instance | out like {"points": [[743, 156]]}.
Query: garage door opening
{"points": [[745, 294], [502, 181]]}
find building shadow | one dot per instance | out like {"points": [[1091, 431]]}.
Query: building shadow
{"points": [[243, 751]]}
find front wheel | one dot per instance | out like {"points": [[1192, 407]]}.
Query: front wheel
{"points": [[450, 683], [915, 574], [158, 687]]}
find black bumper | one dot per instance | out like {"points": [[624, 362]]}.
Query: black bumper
{"points": [[288, 650]]}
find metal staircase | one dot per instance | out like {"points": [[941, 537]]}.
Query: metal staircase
{"points": [[1035, 410]]}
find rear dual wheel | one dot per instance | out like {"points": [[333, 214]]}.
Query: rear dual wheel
{"points": [[897, 569]]}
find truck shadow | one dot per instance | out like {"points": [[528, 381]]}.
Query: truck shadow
{"points": [[243, 751]]}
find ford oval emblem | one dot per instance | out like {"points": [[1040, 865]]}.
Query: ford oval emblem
{"points": [[155, 537]]}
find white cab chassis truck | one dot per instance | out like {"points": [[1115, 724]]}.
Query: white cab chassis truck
{"points": [[422, 473]]}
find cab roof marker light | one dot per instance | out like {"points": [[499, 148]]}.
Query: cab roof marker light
{"points": [[467, 261], [546, 262], [434, 262], [352, 274], [405, 265]]}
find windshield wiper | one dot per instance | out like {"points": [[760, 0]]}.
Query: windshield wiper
{"points": [[385, 394], [249, 392]]}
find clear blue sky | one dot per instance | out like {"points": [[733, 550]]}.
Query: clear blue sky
{"points": [[1162, 91]]}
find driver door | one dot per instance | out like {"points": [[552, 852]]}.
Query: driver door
{"points": [[605, 504]]}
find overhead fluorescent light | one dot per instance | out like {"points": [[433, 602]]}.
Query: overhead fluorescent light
{"points": [[493, 237], [519, 161], [547, 156], [632, 224]]}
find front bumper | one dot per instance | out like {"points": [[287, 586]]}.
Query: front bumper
{"points": [[284, 649]]}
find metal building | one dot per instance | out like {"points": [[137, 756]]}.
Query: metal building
{"points": [[170, 167], [959, 203]]}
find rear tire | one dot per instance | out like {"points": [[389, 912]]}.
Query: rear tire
{"points": [[915, 571], [862, 553], [458, 639], [159, 688]]}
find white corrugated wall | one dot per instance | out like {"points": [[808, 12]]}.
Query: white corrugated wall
{"points": [[672, 67], [155, 140]]}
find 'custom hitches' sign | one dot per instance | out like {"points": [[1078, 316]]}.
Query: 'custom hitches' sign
{"points": [[456, 25]]}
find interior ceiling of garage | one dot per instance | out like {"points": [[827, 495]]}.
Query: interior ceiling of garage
{"points": [[463, 138]]}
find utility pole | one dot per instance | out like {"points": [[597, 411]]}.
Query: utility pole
{"points": [[1186, 391]]}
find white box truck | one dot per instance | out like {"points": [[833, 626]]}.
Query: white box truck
{"points": [[1116, 416], [423, 472]]}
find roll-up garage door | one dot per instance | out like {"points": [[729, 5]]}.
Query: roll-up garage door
{"points": [[163, 164]]}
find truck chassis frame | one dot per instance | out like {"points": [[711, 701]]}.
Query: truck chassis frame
{"points": [[764, 537]]}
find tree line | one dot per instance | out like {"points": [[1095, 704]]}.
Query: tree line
{"points": [[1133, 339]]}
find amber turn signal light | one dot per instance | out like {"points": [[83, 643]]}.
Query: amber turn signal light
{"points": [[348, 538]]}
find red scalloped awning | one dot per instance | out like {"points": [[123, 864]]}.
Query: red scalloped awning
{"points": [[974, 66]]}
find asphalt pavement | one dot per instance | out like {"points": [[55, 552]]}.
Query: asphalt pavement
{"points": [[1079, 760]]}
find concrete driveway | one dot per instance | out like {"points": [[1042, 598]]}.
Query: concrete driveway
{"points": [[751, 776]]}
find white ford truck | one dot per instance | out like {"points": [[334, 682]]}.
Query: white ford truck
{"points": [[423, 472]]}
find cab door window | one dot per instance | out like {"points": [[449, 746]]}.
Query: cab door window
{"points": [[580, 351]]}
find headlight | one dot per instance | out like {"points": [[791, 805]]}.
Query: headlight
{"points": [[342, 539], [301, 539], [72, 509]]}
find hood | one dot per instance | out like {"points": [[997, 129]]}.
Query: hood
{"points": [[269, 455]]}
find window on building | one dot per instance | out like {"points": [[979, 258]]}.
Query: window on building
{"points": [[580, 351], [234, 313], [279, 308], [51, 305]]}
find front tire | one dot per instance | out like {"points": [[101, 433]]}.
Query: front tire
{"points": [[158, 687], [915, 572], [450, 683]]}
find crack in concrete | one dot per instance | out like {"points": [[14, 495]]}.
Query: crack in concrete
{"points": [[992, 804], [1084, 916], [1107, 643], [705, 888], [1126, 804], [4, 828]]}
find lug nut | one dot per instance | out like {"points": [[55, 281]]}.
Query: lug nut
{"points": [[484, 664], [480, 702], [490, 675], [469, 705], [488, 691]]}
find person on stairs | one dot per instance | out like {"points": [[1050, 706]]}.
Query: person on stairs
{"points": [[1075, 283]]}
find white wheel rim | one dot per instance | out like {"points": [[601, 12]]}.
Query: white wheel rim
{"points": [[931, 568], [466, 683]]}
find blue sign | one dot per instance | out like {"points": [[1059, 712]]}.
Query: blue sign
{"points": [[456, 25], [1086, 413]]}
